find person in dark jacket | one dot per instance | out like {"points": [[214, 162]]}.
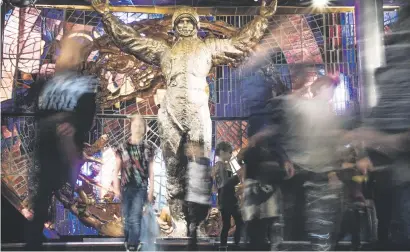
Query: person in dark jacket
{"points": [[227, 200], [266, 166], [66, 107], [354, 177]]}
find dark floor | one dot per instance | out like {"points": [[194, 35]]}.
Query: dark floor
{"points": [[106, 244]]}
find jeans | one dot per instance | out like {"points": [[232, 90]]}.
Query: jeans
{"points": [[133, 200], [260, 229], [351, 224], [322, 213], [51, 175]]}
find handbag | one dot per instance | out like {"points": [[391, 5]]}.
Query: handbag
{"points": [[149, 228]]}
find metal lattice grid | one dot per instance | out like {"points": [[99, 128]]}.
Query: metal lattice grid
{"points": [[32, 37], [17, 145], [292, 39]]}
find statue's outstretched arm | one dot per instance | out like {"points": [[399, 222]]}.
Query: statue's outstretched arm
{"points": [[234, 49], [128, 40]]}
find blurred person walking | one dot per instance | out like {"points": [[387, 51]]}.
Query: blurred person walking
{"points": [[227, 200], [265, 166], [386, 134], [199, 189], [356, 199], [134, 163], [308, 132], [65, 110]]}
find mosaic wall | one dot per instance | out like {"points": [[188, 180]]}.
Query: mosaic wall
{"points": [[31, 45]]}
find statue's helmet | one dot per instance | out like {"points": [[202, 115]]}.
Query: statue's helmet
{"points": [[185, 12]]}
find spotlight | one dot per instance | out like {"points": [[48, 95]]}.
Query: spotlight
{"points": [[319, 4]]}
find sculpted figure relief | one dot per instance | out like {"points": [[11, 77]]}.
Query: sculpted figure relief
{"points": [[184, 114], [124, 77]]}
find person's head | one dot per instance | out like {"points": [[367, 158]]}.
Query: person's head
{"points": [[224, 151], [323, 88], [185, 22], [138, 128], [71, 55]]}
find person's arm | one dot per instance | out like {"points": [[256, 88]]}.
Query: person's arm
{"points": [[383, 142], [148, 50], [235, 49], [241, 161], [273, 130], [218, 174], [116, 179], [71, 154], [213, 175], [241, 173], [151, 181], [287, 164], [363, 162], [151, 154]]}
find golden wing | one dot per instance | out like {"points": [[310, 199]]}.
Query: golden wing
{"points": [[123, 77]]}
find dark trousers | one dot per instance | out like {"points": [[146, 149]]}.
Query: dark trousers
{"points": [[351, 224], [400, 225], [195, 214], [52, 176], [261, 230], [383, 199], [133, 200], [226, 224]]}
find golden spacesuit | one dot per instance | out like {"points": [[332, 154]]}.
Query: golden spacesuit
{"points": [[185, 65]]}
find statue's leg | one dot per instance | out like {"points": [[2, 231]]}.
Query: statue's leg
{"points": [[199, 146], [175, 161], [173, 141], [200, 130]]}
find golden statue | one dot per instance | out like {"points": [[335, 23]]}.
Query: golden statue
{"points": [[184, 113]]}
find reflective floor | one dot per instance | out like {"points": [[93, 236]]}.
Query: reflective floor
{"points": [[113, 244]]}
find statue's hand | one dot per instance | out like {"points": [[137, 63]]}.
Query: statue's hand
{"points": [[268, 11], [101, 6]]}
